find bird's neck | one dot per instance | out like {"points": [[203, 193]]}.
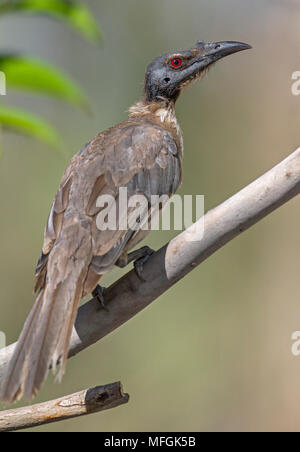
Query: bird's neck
{"points": [[162, 113]]}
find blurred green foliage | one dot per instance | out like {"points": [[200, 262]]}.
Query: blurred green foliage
{"points": [[23, 122], [34, 75], [24, 72], [73, 13]]}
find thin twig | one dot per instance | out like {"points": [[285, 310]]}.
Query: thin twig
{"points": [[130, 295], [85, 402]]}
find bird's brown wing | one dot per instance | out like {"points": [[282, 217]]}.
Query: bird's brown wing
{"points": [[139, 155], [144, 158]]}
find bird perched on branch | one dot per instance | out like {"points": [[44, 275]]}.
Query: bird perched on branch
{"points": [[143, 154]]}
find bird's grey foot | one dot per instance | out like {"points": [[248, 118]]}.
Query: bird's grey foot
{"points": [[145, 254], [122, 262], [99, 294], [126, 259]]}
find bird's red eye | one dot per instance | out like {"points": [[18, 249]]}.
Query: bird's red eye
{"points": [[176, 63]]}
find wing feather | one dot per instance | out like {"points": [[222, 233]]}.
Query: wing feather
{"points": [[139, 155]]}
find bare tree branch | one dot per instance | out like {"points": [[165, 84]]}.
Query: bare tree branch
{"points": [[85, 402], [129, 295]]}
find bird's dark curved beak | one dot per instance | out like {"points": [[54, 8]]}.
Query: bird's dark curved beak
{"points": [[225, 48], [214, 51]]}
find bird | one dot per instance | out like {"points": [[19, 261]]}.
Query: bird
{"points": [[142, 154]]}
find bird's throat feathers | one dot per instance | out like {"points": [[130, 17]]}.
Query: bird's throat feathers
{"points": [[162, 113]]}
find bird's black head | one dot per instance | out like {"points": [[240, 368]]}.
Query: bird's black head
{"points": [[167, 75]]}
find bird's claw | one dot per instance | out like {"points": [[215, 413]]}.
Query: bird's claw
{"points": [[139, 263], [99, 294]]}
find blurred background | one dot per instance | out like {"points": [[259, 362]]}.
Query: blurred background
{"points": [[214, 353]]}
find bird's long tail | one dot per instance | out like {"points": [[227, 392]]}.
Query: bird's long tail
{"points": [[45, 339]]}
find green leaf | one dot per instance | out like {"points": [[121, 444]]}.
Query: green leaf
{"points": [[72, 12], [37, 76], [28, 124]]}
